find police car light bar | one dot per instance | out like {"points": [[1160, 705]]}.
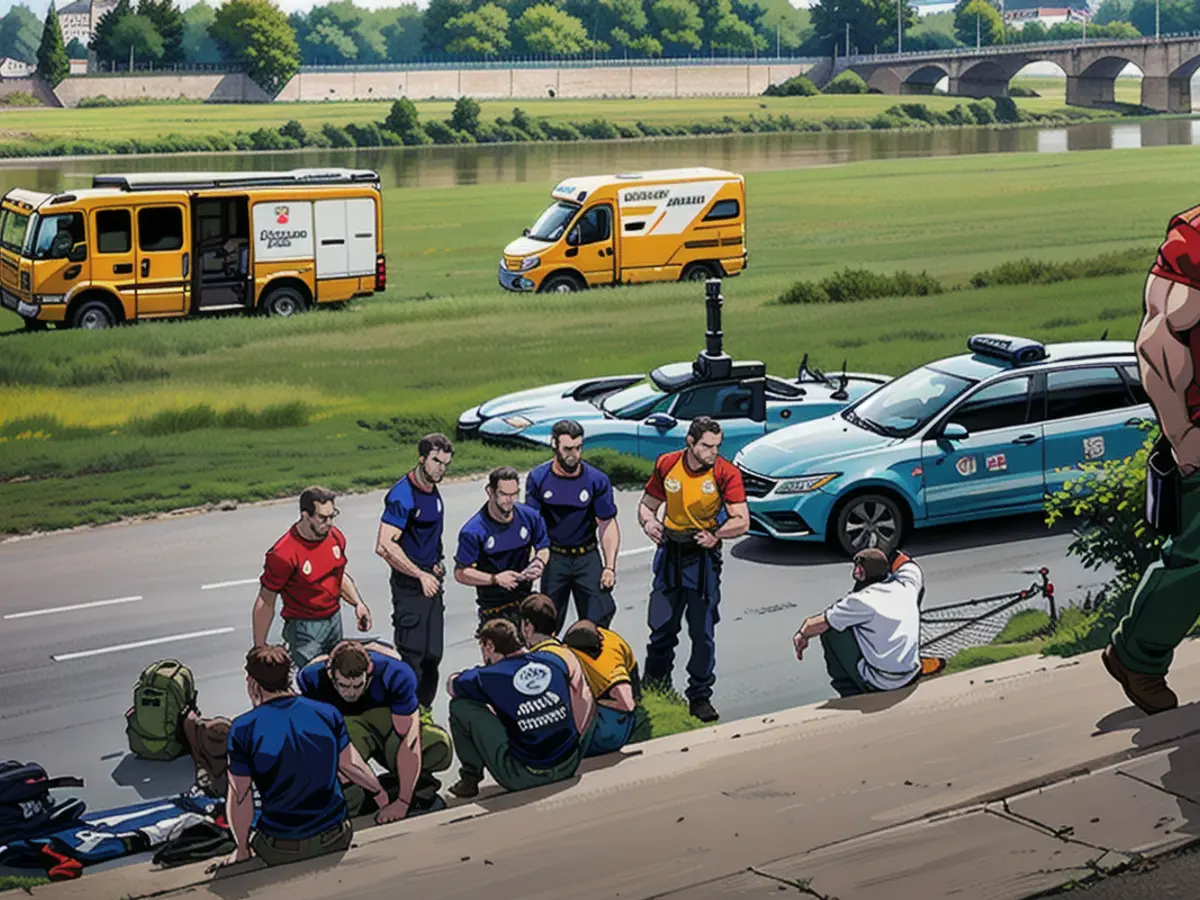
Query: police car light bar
{"points": [[1001, 346]]}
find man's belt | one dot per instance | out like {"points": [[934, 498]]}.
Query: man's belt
{"points": [[490, 610], [291, 844], [681, 536], [574, 551]]}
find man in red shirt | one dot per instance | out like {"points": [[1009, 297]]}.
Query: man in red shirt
{"points": [[308, 567], [704, 503]]}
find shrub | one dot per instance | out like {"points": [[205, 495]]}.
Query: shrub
{"points": [[403, 117], [337, 137], [1016, 90], [415, 137], [797, 86], [597, 130], [648, 129], [628, 131], [983, 111], [270, 139], [296, 131], [1033, 271], [561, 131], [521, 120], [367, 135], [1006, 110], [443, 133], [846, 83], [850, 285], [466, 115], [20, 98]]}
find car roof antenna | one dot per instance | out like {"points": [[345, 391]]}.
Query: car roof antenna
{"points": [[1104, 337], [713, 363], [840, 393]]}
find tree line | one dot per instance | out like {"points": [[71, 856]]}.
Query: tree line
{"points": [[271, 45]]}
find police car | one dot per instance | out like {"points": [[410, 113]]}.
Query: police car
{"points": [[982, 435]]}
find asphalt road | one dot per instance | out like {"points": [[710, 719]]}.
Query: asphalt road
{"points": [[184, 588]]}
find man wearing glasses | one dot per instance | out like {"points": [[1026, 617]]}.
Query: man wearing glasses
{"points": [[308, 567]]}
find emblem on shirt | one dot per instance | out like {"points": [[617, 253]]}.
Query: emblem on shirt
{"points": [[1093, 447], [708, 486], [306, 568], [417, 513], [672, 485], [997, 462], [547, 495], [439, 504], [491, 542], [965, 465], [524, 532], [532, 678], [337, 552], [583, 495]]}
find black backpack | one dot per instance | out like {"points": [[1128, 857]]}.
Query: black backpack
{"points": [[26, 807]]}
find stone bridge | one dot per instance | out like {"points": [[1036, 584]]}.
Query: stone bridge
{"points": [[1167, 65]]}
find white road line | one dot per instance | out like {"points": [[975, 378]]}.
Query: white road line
{"points": [[63, 657], [224, 584], [649, 549], [74, 606]]}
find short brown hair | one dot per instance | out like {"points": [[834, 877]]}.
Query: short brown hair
{"points": [[502, 634], [349, 659], [504, 473], [271, 667], [702, 425], [584, 637], [434, 441], [540, 612], [314, 495], [874, 563]]}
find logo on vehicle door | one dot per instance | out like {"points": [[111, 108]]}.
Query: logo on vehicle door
{"points": [[965, 465], [1093, 447], [997, 463], [281, 215]]}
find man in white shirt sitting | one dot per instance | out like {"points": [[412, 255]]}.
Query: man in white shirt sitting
{"points": [[871, 637]]}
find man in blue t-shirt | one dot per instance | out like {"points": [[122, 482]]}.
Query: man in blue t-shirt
{"points": [[502, 549], [521, 716], [410, 540], [292, 750], [576, 500], [376, 692]]}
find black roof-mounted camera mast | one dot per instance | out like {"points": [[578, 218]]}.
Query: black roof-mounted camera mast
{"points": [[713, 362]]}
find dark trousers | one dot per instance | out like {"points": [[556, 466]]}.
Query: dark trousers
{"points": [[419, 623], [842, 655], [687, 585], [578, 575]]}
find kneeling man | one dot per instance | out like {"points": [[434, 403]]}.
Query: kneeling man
{"points": [[612, 674]]}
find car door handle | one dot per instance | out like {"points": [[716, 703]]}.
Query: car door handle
{"points": [[122, 268], [187, 264], [145, 267], [1026, 439], [70, 272], [1135, 422]]}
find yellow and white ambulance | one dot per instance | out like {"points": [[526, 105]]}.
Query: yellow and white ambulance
{"points": [[665, 225], [168, 245]]}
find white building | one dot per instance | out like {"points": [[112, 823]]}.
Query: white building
{"points": [[78, 20], [1017, 19], [15, 68]]}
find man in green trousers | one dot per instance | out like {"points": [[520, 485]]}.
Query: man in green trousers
{"points": [[1167, 602]]}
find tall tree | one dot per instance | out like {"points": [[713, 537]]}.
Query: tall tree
{"points": [[198, 45], [546, 29], [256, 34], [679, 25], [135, 37], [405, 34], [1112, 11], [871, 24], [76, 50], [482, 32], [102, 38], [978, 22], [20, 34], [53, 65], [438, 15], [168, 22]]}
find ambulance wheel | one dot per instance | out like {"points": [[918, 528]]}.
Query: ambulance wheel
{"points": [[868, 520], [562, 283], [283, 302], [698, 272], [93, 315]]}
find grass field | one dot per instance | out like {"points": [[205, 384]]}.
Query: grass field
{"points": [[445, 337], [191, 119]]}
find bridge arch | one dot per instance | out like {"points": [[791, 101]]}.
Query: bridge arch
{"points": [[1095, 84], [924, 80]]}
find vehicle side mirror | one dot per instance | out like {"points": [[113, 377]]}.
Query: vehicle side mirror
{"points": [[573, 237], [61, 245], [78, 253], [955, 432], [661, 421], [524, 232]]}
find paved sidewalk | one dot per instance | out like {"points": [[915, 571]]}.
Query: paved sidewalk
{"points": [[994, 784]]}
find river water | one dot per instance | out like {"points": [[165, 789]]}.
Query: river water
{"points": [[449, 166]]}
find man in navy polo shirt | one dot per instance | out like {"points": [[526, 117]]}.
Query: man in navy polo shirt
{"points": [[502, 549], [576, 500], [521, 715], [410, 540]]}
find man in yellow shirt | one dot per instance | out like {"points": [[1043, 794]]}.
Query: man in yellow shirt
{"points": [[612, 674], [704, 503]]}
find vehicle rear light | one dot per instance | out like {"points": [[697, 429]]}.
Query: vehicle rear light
{"points": [[380, 272]]}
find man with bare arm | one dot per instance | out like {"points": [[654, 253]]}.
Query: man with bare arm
{"points": [[1167, 601]]}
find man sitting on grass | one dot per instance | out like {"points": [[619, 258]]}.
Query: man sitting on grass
{"points": [[871, 637], [612, 674], [520, 716]]}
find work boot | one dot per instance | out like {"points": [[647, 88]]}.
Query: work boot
{"points": [[703, 710], [464, 788], [1149, 693]]}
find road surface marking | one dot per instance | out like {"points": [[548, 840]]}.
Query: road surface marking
{"points": [[74, 606], [225, 584], [63, 657], [638, 550]]}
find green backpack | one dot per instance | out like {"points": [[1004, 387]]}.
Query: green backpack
{"points": [[164, 694]]}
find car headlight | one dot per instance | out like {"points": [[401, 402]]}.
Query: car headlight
{"points": [[806, 484], [517, 422], [530, 262]]}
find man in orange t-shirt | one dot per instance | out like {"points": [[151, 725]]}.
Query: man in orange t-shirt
{"points": [[703, 503]]}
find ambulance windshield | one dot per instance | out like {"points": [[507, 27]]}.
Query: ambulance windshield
{"points": [[553, 222]]}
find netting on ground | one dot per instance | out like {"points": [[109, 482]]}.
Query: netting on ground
{"points": [[946, 630]]}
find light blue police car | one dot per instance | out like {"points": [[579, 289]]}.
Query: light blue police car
{"points": [[976, 436]]}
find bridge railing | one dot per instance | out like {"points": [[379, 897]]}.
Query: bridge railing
{"points": [[1029, 48]]}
